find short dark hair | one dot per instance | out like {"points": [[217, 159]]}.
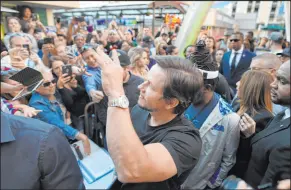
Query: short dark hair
{"points": [[61, 35], [164, 34], [240, 34], [184, 52], [53, 59], [22, 9], [129, 43], [170, 49], [183, 81], [251, 33]]}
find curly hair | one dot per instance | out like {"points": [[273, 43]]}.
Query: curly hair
{"points": [[203, 60], [22, 10]]}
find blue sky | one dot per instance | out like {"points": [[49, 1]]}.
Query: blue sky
{"points": [[220, 4]]}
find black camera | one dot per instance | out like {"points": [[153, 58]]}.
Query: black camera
{"points": [[48, 41], [231, 182], [58, 20], [26, 46], [80, 19], [67, 69]]}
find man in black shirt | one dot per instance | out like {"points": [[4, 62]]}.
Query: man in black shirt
{"points": [[113, 42], [130, 85], [159, 149]]}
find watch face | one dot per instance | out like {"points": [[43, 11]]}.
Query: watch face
{"points": [[124, 102]]}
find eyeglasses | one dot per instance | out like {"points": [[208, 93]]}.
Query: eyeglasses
{"points": [[234, 40], [84, 48], [46, 84]]}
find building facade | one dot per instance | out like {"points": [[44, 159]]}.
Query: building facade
{"points": [[268, 12]]}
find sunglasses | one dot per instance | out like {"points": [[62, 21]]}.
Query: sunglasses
{"points": [[46, 84], [234, 40], [87, 47]]}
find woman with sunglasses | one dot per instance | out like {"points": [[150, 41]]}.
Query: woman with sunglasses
{"points": [[44, 99]]}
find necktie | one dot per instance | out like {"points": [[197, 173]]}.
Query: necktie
{"points": [[233, 62]]}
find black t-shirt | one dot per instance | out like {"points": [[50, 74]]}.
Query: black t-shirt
{"points": [[113, 45], [180, 138]]}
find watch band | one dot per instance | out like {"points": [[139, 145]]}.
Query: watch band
{"points": [[121, 102]]}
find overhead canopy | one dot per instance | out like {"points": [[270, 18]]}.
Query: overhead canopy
{"points": [[180, 5], [7, 10], [127, 8]]}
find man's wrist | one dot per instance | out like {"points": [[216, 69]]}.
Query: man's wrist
{"points": [[115, 94]]}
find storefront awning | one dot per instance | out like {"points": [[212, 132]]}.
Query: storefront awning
{"points": [[7, 10], [273, 27]]}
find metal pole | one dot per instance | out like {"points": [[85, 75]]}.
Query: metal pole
{"points": [[153, 22], [106, 19], [143, 21], [189, 32]]}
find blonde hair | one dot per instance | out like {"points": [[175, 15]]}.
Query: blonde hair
{"points": [[255, 92], [158, 47], [134, 55]]}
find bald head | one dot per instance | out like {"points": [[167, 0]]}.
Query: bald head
{"points": [[285, 67], [266, 61], [280, 92]]}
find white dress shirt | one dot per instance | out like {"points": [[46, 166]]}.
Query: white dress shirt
{"points": [[238, 56], [287, 114]]}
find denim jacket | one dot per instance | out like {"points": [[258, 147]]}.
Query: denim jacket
{"points": [[52, 114], [92, 82]]}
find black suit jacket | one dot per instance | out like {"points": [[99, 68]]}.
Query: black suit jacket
{"points": [[242, 66], [268, 148]]}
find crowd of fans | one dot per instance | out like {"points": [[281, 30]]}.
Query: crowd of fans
{"points": [[237, 98]]}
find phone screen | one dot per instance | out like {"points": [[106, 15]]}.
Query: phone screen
{"points": [[67, 69], [27, 47], [48, 41]]}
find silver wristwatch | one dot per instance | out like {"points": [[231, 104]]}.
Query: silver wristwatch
{"points": [[121, 102]]}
